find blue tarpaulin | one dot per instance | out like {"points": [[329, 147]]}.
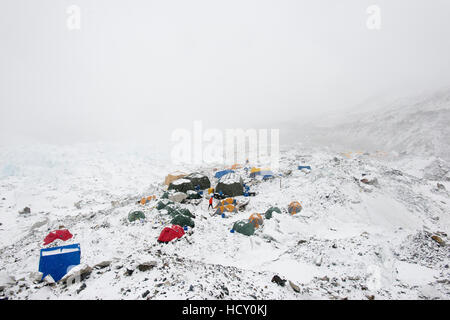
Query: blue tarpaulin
{"points": [[220, 174], [58, 261], [304, 167]]}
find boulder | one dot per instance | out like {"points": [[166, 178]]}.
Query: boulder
{"points": [[178, 197], [231, 185], [278, 280], [181, 185], [199, 179]]}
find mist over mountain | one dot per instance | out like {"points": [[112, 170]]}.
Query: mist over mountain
{"points": [[417, 125]]}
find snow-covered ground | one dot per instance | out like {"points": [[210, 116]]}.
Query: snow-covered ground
{"points": [[351, 240]]}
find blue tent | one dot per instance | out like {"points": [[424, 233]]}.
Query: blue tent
{"points": [[304, 167], [220, 174], [58, 261]]}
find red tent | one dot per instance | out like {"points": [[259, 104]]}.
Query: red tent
{"points": [[62, 234], [170, 233]]}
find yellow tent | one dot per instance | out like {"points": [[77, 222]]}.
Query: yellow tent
{"points": [[173, 176]]}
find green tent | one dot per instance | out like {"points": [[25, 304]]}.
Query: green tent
{"points": [[244, 227], [182, 221], [269, 212], [186, 212], [165, 195], [135, 215]]}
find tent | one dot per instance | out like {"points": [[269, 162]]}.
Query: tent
{"points": [[294, 207], [230, 185], [181, 185], [62, 234], [147, 199], [244, 227], [256, 219], [270, 211], [135, 215], [260, 172], [220, 174], [170, 233], [225, 202], [173, 176], [304, 167], [199, 179], [226, 208], [182, 220], [58, 261]]}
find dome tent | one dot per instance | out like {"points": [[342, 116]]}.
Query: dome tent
{"points": [[170, 233], [182, 220], [244, 227], [294, 207], [256, 220], [135, 215]]}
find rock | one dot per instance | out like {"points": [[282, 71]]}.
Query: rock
{"points": [[278, 280], [198, 179], [146, 266], [6, 280], [145, 293], [36, 276], [178, 196], [440, 186], [370, 181], [438, 240], [39, 224], [81, 288], [49, 280], [370, 297], [77, 274], [294, 287], [318, 261], [103, 264], [25, 210], [128, 272]]}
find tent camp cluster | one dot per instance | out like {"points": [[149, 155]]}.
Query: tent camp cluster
{"points": [[230, 190]]}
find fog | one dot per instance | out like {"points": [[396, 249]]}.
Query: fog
{"points": [[136, 70]]}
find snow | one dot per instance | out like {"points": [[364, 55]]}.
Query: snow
{"points": [[350, 240]]}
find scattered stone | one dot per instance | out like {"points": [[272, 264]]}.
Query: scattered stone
{"points": [[36, 276], [278, 280], [301, 242], [25, 210], [440, 186], [318, 261], [77, 273], [6, 280], [370, 297], [294, 287], [82, 287], [147, 266], [438, 240], [103, 264], [128, 272]]}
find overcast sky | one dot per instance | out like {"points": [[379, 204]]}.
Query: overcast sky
{"points": [[140, 67]]}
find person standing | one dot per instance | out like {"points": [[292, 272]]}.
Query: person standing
{"points": [[210, 202]]}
